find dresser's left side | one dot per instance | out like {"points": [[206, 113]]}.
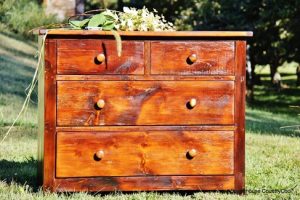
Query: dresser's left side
{"points": [[47, 115]]}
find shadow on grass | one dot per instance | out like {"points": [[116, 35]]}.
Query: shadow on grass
{"points": [[261, 122], [15, 77], [272, 109], [19, 172], [277, 102], [17, 52], [31, 41]]}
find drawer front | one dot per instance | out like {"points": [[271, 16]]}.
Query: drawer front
{"points": [[84, 154], [193, 58], [80, 57], [144, 103]]}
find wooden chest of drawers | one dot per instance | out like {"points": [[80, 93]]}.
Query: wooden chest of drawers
{"points": [[168, 114]]}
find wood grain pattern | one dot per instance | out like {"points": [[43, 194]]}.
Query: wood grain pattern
{"points": [[144, 103], [142, 78], [140, 153], [79, 57], [213, 57], [239, 147], [67, 32], [145, 183], [49, 115], [145, 128]]}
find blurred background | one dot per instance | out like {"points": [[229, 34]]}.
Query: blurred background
{"points": [[273, 78]]}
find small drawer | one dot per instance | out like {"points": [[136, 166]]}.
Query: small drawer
{"points": [[99, 57], [91, 154], [193, 58], [100, 103]]}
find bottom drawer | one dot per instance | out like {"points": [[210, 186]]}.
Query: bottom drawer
{"points": [[86, 154]]}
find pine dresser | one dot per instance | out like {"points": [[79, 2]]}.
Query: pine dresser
{"points": [[168, 114]]}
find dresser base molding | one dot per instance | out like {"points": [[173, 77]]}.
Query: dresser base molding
{"points": [[145, 183]]}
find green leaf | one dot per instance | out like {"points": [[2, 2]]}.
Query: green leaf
{"points": [[97, 20], [110, 18], [108, 27], [83, 23], [75, 24], [109, 15], [108, 23]]}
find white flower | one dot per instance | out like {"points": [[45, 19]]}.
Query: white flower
{"points": [[126, 10], [144, 14], [142, 20], [131, 11], [130, 25], [144, 27], [123, 23], [117, 26]]}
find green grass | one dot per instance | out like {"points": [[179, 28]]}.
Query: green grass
{"points": [[272, 154]]}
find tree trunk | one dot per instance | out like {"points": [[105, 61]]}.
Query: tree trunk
{"points": [[79, 8], [273, 69], [250, 81]]}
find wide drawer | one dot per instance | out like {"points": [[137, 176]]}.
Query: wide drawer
{"points": [[80, 57], [144, 103], [193, 57], [84, 154]]}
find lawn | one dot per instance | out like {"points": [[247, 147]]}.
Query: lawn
{"points": [[272, 153]]}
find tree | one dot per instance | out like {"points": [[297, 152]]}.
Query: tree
{"points": [[275, 24], [79, 7]]}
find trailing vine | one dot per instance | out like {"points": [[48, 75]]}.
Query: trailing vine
{"points": [[131, 19]]}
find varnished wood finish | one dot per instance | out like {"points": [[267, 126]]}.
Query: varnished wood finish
{"points": [[99, 155], [49, 115], [192, 153], [239, 147], [80, 57], [213, 58], [145, 103], [166, 119], [144, 128], [192, 58], [100, 104], [200, 34], [100, 58], [147, 77], [192, 103], [145, 183], [140, 153]]}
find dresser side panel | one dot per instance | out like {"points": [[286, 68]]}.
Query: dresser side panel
{"points": [[50, 114], [41, 111], [239, 147]]}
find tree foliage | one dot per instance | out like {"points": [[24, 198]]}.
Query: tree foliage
{"points": [[275, 23]]}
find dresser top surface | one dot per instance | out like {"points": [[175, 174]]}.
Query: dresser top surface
{"points": [[149, 33]]}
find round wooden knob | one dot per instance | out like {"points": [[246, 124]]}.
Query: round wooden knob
{"points": [[100, 58], [193, 102], [100, 103], [193, 58], [192, 153], [99, 154]]}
